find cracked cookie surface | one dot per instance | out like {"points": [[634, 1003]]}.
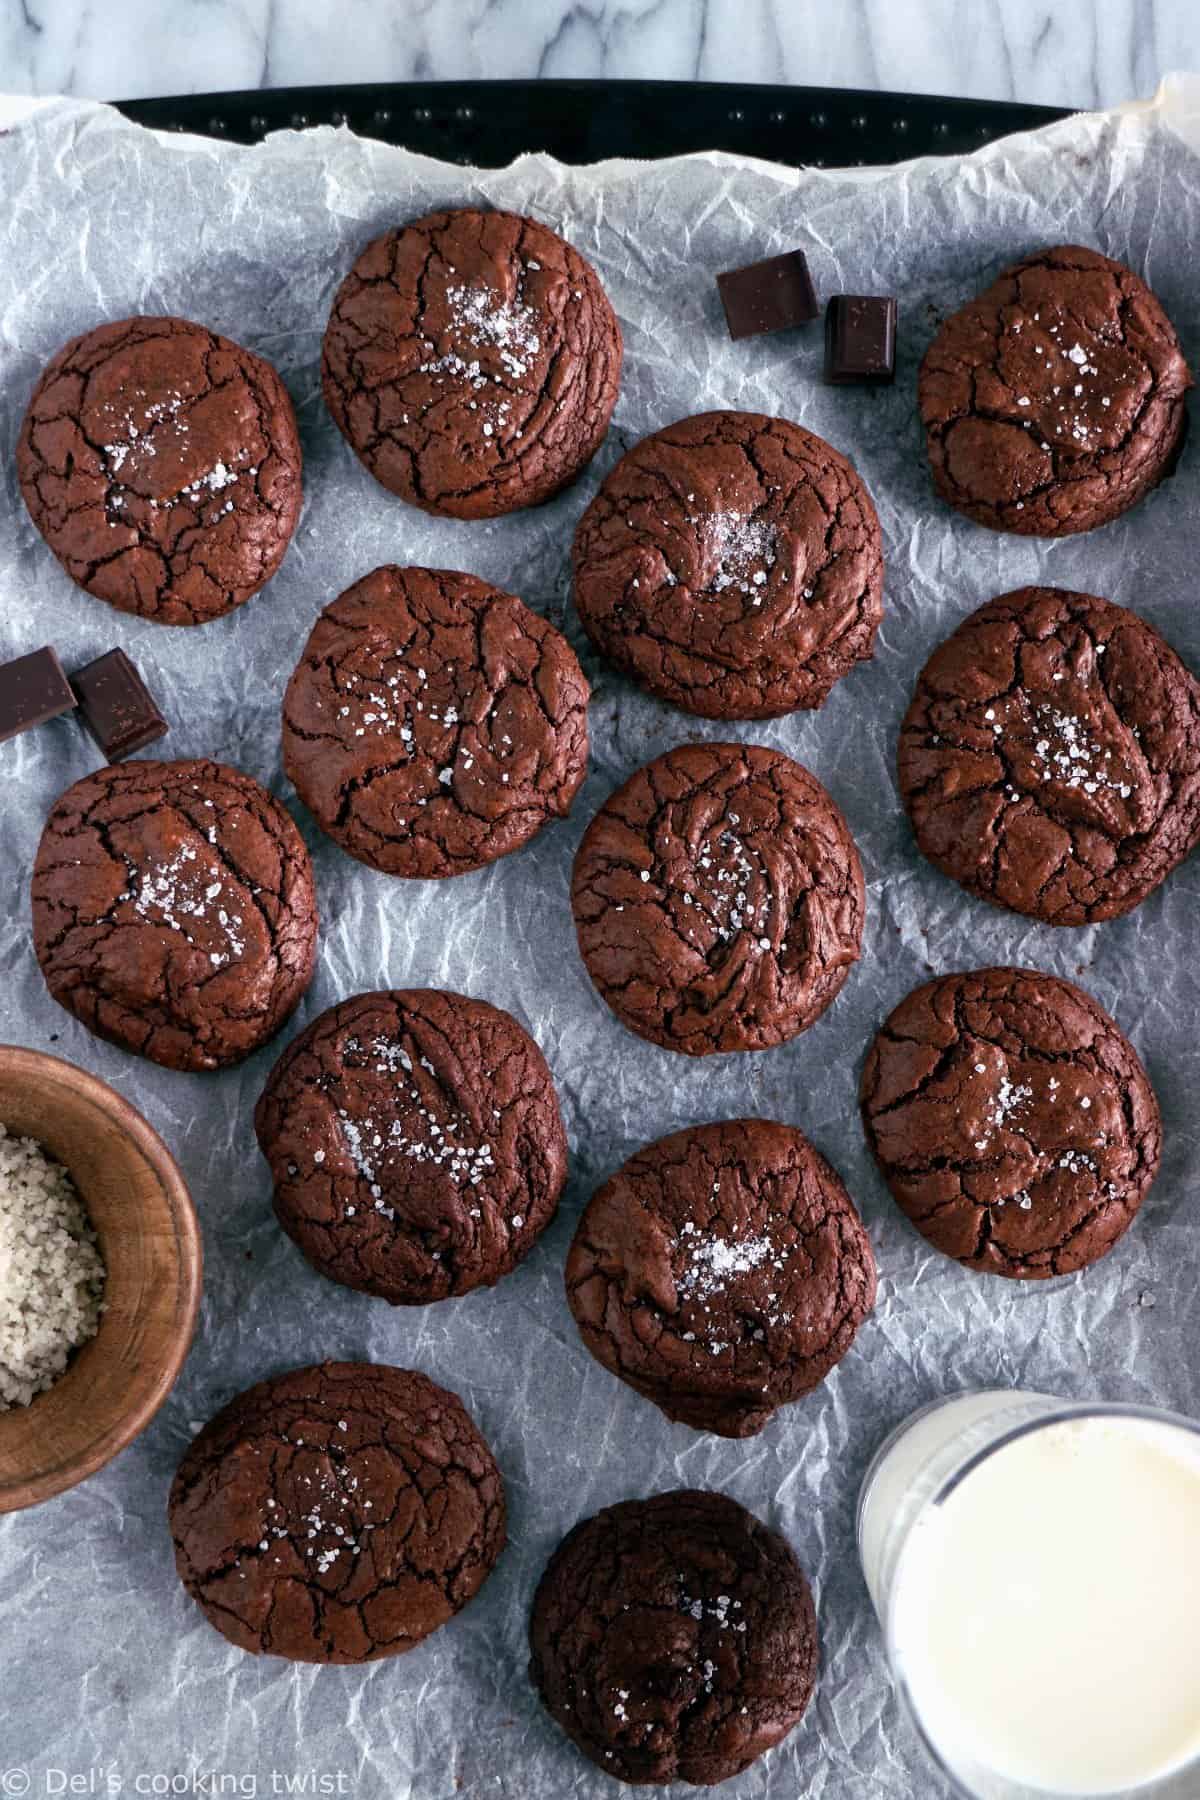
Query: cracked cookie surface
{"points": [[722, 1272], [336, 1514], [1050, 757], [732, 564], [674, 1639], [1056, 399], [718, 899], [162, 465], [415, 1143], [472, 362], [1012, 1121], [434, 723], [174, 910]]}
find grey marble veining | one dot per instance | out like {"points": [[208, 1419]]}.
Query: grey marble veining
{"points": [[1075, 52]]}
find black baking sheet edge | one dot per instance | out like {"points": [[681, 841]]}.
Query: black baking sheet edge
{"points": [[491, 122]]}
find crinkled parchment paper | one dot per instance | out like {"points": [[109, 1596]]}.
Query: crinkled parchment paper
{"points": [[107, 1667]]}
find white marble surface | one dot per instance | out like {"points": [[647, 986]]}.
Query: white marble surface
{"points": [[1061, 52]]}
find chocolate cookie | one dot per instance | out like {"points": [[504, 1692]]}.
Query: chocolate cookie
{"points": [[336, 1514], [674, 1639], [1050, 759], [1056, 400], [1012, 1121], [471, 361], [415, 1144], [719, 899], [161, 464], [434, 723], [722, 1272], [733, 565], [174, 910]]}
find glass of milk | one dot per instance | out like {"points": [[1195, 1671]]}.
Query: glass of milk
{"points": [[1035, 1565]]}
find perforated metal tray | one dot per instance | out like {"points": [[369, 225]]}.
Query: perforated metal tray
{"points": [[490, 122]]}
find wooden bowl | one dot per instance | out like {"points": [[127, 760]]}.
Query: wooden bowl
{"points": [[143, 1216]]}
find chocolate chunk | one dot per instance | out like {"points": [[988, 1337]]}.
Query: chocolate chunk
{"points": [[33, 689], [772, 295], [116, 705], [860, 339]]}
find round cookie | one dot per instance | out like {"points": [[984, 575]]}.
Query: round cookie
{"points": [[174, 910], [1012, 1121], [1055, 400], [336, 1514], [415, 1144], [161, 464], [471, 361], [434, 723], [732, 564], [1050, 758], [719, 899], [722, 1272], [674, 1639]]}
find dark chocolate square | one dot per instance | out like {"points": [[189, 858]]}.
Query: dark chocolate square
{"points": [[860, 339], [33, 689], [772, 295], [116, 705]]}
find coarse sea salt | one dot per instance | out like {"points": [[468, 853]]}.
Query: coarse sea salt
{"points": [[482, 321], [51, 1272], [333, 1512], [712, 1262], [485, 321], [129, 434], [179, 889], [721, 885], [1005, 1103], [1067, 752], [718, 1609], [414, 1134], [743, 550]]}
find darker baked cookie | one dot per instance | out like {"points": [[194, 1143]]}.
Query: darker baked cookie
{"points": [[1012, 1121], [719, 899], [674, 1639], [732, 564], [336, 1514], [1050, 759], [471, 361], [1056, 400], [415, 1144], [722, 1272], [161, 464], [174, 910], [434, 723]]}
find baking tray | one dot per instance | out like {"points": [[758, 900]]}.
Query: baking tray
{"points": [[491, 122]]}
